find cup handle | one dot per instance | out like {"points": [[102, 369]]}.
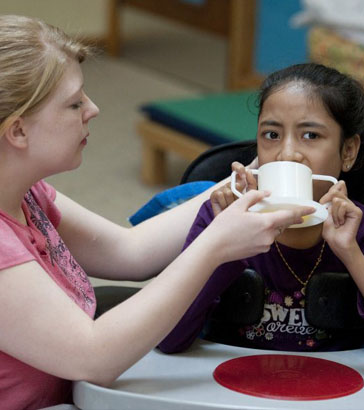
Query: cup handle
{"points": [[233, 183], [325, 178]]}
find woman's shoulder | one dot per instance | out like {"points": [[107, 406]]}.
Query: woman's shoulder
{"points": [[13, 243]]}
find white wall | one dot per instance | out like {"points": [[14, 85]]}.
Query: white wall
{"points": [[84, 17]]}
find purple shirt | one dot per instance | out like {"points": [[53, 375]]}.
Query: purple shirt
{"points": [[283, 325]]}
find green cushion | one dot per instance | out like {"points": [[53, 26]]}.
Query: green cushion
{"points": [[213, 118]]}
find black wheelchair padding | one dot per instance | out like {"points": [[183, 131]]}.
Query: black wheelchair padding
{"points": [[109, 296], [215, 163], [331, 302], [243, 300]]}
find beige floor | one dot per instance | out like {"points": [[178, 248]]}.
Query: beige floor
{"points": [[160, 60]]}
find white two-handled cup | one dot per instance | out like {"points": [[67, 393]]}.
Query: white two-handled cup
{"points": [[290, 184], [285, 179]]}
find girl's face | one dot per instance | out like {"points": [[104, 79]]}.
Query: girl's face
{"points": [[295, 126], [58, 131]]}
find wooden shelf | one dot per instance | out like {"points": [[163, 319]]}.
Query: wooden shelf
{"points": [[233, 19]]}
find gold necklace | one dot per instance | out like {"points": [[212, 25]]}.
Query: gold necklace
{"points": [[304, 283]]}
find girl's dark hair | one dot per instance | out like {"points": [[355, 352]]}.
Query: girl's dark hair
{"points": [[342, 96]]}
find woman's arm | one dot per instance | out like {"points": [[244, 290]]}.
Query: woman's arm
{"points": [[136, 253], [107, 250], [47, 330]]}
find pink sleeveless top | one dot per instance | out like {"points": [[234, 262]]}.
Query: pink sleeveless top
{"points": [[22, 386]]}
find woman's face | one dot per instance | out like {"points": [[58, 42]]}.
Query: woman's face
{"points": [[58, 131], [295, 126]]}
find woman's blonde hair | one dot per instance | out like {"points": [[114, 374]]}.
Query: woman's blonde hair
{"points": [[33, 58]]}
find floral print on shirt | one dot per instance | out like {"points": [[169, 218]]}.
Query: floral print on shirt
{"points": [[54, 251]]}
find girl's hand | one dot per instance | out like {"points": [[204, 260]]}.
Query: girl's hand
{"points": [[341, 227], [237, 233], [223, 197]]}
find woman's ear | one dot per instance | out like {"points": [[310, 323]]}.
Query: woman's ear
{"points": [[349, 152], [16, 135]]}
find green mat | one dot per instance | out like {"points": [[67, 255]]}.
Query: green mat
{"points": [[214, 118]]}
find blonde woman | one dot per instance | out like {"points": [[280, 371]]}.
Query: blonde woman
{"points": [[48, 242]]}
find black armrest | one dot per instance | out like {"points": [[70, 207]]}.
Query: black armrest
{"points": [[109, 296]]}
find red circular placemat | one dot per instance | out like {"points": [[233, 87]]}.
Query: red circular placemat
{"points": [[288, 377]]}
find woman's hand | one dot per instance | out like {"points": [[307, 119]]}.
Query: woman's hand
{"points": [[223, 197], [341, 227], [238, 233]]}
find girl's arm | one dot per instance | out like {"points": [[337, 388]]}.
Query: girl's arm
{"points": [[192, 322]]}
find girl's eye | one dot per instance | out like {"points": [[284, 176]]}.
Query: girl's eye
{"points": [[270, 135], [77, 105], [310, 136]]}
